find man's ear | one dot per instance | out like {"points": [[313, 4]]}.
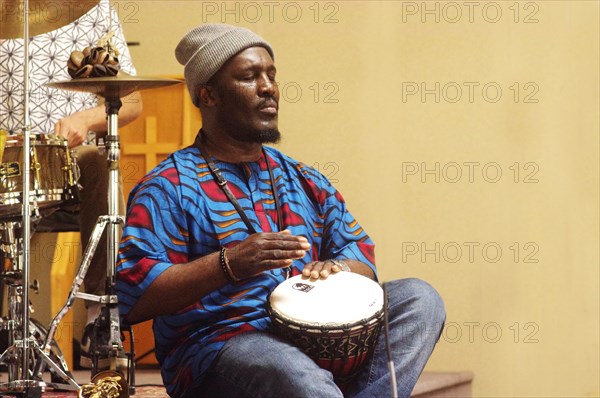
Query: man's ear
{"points": [[207, 95]]}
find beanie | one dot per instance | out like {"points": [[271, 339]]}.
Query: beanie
{"points": [[206, 48]]}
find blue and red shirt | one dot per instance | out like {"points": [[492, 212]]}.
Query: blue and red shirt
{"points": [[178, 213]]}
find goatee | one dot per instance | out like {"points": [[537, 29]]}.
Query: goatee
{"points": [[269, 136]]}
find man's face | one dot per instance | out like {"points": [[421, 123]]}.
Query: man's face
{"points": [[248, 96]]}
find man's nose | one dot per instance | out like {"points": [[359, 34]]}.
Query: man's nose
{"points": [[266, 86]]}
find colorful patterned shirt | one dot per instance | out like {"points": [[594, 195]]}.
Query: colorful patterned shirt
{"points": [[177, 213], [48, 63]]}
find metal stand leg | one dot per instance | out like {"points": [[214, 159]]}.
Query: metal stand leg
{"points": [[109, 318], [20, 377], [131, 359], [106, 340]]}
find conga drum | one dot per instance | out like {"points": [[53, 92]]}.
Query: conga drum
{"points": [[335, 321]]}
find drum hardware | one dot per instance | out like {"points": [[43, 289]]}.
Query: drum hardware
{"points": [[11, 247], [25, 380], [339, 337], [52, 185], [21, 344], [108, 323], [105, 384]]}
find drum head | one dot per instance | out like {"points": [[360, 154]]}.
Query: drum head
{"points": [[341, 299]]}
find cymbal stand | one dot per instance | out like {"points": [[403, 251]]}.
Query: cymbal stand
{"points": [[112, 89], [20, 347], [25, 386], [108, 321]]}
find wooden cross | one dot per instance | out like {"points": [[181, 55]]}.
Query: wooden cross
{"points": [[150, 149]]}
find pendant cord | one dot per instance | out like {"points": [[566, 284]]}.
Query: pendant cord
{"points": [[222, 182]]}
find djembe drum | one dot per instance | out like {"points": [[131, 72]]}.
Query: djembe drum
{"points": [[335, 321]]}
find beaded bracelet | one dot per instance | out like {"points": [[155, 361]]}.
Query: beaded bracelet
{"points": [[226, 268], [343, 266]]}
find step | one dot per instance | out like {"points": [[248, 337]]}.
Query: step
{"points": [[443, 385]]}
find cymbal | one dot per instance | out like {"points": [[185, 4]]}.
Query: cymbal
{"points": [[44, 16], [113, 87]]}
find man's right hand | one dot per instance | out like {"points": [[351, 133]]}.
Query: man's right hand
{"points": [[264, 251]]}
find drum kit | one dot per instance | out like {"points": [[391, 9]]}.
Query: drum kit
{"points": [[38, 174]]}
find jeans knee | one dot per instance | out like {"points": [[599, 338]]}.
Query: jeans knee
{"points": [[422, 297]]}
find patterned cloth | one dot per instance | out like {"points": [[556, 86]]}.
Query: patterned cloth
{"points": [[178, 213], [49, 54]]}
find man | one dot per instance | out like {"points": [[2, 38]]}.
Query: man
{"points": [[201, 261], [71, 115]]}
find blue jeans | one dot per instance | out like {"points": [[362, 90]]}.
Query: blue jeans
{"points": [[258, 364]]}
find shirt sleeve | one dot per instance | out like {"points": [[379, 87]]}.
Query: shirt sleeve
{"points": [[154, 238]]}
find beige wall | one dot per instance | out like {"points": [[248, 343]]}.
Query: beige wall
{"points": [[524, 320]]}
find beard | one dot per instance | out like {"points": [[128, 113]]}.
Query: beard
{"points": [[268, 136], [254, 136], [243, 131]]}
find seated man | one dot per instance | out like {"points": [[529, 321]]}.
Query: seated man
{"points": [[201, 256]]}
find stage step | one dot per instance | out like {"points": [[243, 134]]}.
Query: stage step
{"points": [[443, 385]]}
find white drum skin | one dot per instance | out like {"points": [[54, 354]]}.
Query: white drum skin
{"points": [[341, 299]]}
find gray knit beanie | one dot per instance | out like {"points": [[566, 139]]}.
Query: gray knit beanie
{"points": [[205, 49]]}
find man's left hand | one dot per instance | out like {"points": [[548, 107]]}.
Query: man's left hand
{"points": [[320, 269]]}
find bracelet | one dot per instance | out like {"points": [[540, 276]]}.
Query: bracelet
{"points": [[226, 268], [343, 266]]}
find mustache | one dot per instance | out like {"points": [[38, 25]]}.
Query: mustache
{"points": [[268, 102]]}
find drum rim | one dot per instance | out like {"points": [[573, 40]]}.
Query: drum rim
{"points": [[316, 325], [36, 142], [12, 206], [373, 320], [38, 193]]}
